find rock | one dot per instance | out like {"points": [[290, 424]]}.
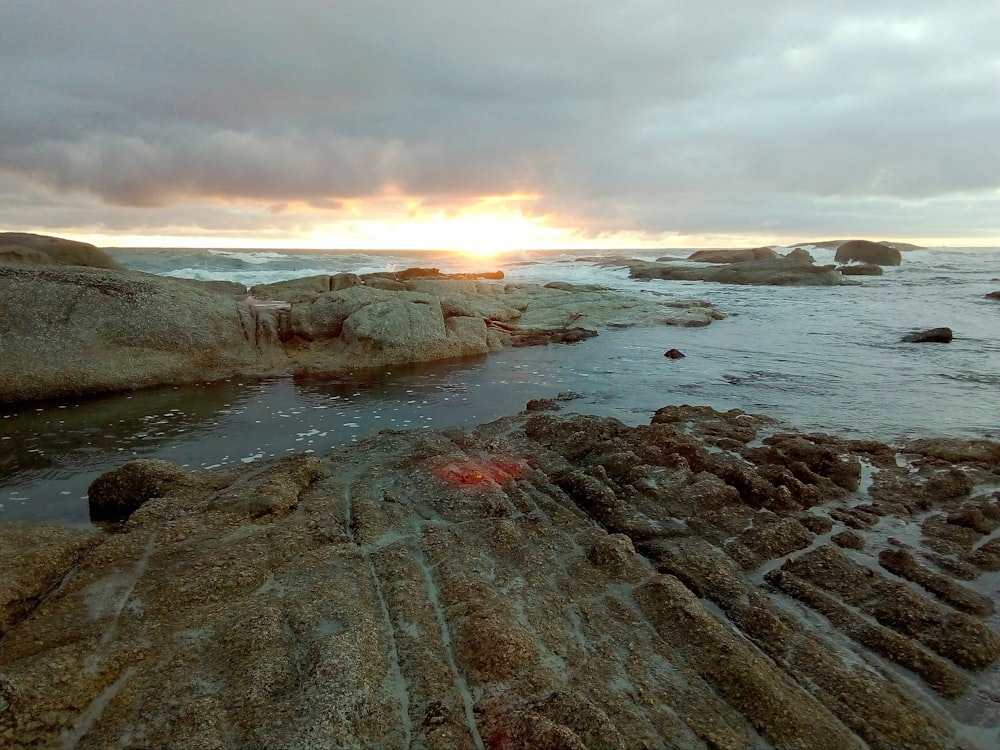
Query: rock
{"points": [[540, 581], [542, 404], [294, 290], [733, 256], [862, 269], [545, 336], [868, 252], [993, 295], [116, 494], [37, 249], [81, 331], [674, 354], [690, 313], [931, 335], [800, 255], [782, 271], [34, 559]]}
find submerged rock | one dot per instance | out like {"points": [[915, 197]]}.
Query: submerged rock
{"points": [[931, 335], [541, 581]]}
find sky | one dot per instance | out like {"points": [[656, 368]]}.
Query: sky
{"points": [[541, 123]]}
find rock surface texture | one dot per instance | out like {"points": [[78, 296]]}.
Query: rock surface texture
{"points": [[79, 331], [706, 581]]}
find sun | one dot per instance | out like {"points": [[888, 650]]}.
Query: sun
{"points": [[480, 228]]}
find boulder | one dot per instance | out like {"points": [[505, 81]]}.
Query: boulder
{"points": [[993, 295], [931, 335], [38, 249], [117, 494], [734, 256], [674, 354], [79, 331], [865, 251], [862, 269]]}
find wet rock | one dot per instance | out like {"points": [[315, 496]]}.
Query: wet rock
{"points": [[542, 404], [862, 269], [541, 581], [116, 494], [733, 256], [877, 253], [993, 295], [545, 336], [849, 540], [931, 335], [674, 354]]}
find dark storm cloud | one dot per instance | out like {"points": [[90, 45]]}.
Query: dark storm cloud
{"points": [[663, 117]]}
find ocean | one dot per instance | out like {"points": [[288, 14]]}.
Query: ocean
{"points": [[821, 359]]}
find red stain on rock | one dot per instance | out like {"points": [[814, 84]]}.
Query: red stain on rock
{"points": [[476, 471]]}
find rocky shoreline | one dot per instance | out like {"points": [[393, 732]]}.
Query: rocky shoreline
{"points": [[72, 330], [707, 580]]}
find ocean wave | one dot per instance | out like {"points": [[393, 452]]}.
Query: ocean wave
{"points": [[254, 257]]}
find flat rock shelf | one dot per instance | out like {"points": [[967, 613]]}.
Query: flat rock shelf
{"points": [[708, 580]]}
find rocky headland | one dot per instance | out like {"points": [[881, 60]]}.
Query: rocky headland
{"points": [[78, 325], [708, 580]]}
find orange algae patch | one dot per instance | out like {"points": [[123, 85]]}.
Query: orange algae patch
{"points": [[478, 471]]}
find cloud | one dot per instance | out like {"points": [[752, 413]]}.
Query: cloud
{"points": [[690, 117]]}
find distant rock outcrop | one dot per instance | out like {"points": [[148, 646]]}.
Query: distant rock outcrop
{"points": [[865, 251], [37, 249], [782, 271], [704, 580], [734, 256], [861, 269]]}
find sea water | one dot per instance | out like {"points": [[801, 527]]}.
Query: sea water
{"points": [[822, 359]]}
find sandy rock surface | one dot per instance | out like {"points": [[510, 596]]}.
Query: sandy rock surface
{"points": [[709, 580]]}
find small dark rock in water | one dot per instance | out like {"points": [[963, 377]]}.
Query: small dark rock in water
{"points": [[542, 404], [674, 354], [862, 269], [993, 295], [931, 335], [568, 396]]}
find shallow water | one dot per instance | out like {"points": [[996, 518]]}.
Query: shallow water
{"points": [[821, 359]]}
